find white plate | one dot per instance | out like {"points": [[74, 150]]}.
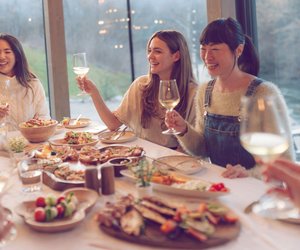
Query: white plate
{"points": [[181, 163], [105, 137], [180, 191], [75, 166], [62, 142], [82, 123], [86, 197]]}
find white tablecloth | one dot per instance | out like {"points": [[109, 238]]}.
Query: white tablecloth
{"points": [[256, 232]]}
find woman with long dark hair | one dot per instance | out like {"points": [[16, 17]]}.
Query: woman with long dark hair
{"points": [[233, 64], [27, 98]]}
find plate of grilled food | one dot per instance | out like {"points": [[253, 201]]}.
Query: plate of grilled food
{"points": [[116, 151], [156, 222]]}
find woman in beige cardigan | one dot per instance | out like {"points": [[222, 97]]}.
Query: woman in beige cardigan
{"points": [[169, 58]]}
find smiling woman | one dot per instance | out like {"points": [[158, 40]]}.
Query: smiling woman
{"points": [[25, 96], [169, 58], [231, 60]]}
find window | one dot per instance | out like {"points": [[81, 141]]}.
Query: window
{"points": [[278, 39], [26, 23], [100, 28]]}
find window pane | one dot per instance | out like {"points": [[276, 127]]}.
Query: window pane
{"points": [[25, 22], [100, 28], [278, 37], [189, 17]]}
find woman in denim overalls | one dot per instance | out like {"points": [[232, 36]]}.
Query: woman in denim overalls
{"points": [[232, 62]]}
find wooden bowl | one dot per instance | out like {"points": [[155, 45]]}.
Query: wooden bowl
{"points": [[38, 134]]}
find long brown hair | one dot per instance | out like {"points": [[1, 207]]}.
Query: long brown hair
{"points": [[21, 68], [182, 72]]}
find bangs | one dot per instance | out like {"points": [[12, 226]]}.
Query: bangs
{"points": [[214, 34]]}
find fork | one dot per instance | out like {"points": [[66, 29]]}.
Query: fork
{"points": [[74, 122], [119, 134]]}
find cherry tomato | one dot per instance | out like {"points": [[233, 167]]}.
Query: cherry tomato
{"points": [[40, 202], [217, 187], [60, 199], [60, 210]]}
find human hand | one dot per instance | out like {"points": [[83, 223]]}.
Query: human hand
{"points": [[86, 85], [288, 172], [236, 171], [4, 111], [174, 120]]}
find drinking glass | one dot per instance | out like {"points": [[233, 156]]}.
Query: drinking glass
{"points": [[31, 177], [168, 97], [80, 67], [264, 133]]}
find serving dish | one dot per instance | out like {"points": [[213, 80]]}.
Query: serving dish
{"points": [[153, 237], [86, 197], [62, 142], [49, 177], [206, 194], [181, 163], [154, 226], [117, 151], [60, 184], [112, 137], [82, 123], [38, 133]]}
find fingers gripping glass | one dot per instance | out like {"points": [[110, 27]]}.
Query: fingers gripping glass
{"points": [[168, 97], [80, 67]]}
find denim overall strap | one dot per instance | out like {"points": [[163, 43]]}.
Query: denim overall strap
{"points": [[208, 91], [252, 86], [222, 134]]}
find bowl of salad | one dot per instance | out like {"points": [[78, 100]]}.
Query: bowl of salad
{"points": [[38, 130]]}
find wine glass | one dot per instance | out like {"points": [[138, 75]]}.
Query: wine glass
{"points": [[168, 97], [264, 132], [80, 67]]}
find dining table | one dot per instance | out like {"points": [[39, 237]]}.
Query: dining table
{"points": [[256, 232]]}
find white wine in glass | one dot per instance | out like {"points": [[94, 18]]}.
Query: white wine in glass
{"points": [[80, 66], [264, 133], [168, 97]]}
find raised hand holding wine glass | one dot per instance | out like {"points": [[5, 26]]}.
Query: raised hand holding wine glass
{"points": [[169, 97], [80, 67], [265, 134]]}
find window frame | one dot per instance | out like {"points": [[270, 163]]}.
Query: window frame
{"points": [[56, 49]]}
